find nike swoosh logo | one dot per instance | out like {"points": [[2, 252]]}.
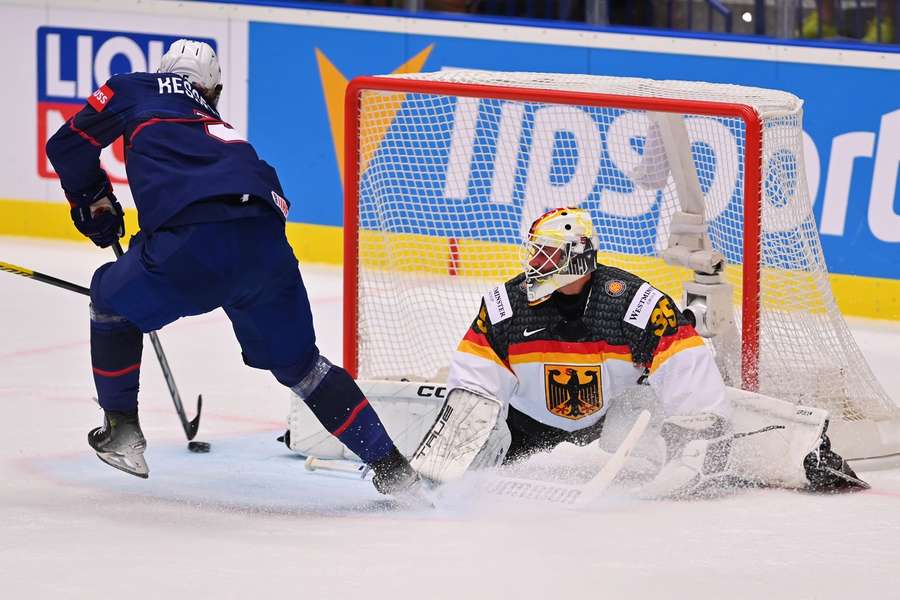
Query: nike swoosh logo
{"points": [[527, 333]]}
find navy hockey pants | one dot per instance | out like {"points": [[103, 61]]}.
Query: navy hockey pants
{"points": [[245, 266]]}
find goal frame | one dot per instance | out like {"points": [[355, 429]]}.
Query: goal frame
{"points": [[752, 187]]}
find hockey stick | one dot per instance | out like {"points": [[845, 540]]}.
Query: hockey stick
{"points": [[572, 495], [509, 487], [335, 464], [596, 486], [190, 427], [16, 270]]}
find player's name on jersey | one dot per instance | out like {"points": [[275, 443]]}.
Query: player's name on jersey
{"points": [[175, 84]]}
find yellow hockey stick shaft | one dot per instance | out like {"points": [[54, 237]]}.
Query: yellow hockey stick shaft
{"points": [[43, 278]]}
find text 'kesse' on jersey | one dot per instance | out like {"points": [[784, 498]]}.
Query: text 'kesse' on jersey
{"points": [[563, 372], [178, 151]]}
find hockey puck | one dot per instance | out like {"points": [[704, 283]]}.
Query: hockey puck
{"points": [[198, 447]]}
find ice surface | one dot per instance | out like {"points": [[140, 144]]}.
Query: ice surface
{"points": [[248, 521]]}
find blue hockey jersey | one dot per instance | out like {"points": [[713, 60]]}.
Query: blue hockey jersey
{"points": [[178, 151]]}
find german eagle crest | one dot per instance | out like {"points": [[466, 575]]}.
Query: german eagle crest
{"points": [[573, 392]]}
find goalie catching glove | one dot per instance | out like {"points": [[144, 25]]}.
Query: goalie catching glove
{"points": [[697, 453]]}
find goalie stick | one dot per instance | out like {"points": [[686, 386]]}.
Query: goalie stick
{"points": [[336, 464], [571, 495], [190, 427]]}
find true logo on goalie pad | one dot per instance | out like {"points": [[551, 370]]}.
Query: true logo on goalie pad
{"points": [[435, 433], [573, 391]]}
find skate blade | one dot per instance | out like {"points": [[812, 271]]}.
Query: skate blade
{"points": [[133, 464]]}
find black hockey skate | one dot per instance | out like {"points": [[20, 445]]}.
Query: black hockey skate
{"points": [[120, 443], [395, 477], [828, 472]]}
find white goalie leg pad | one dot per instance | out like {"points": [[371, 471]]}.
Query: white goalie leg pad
{"points": [[463, 427], [495, 448], [406, 408], [763, 443], [308, 437], [772, 437]]}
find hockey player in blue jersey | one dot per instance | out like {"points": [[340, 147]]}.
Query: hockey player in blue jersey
{"points": [[212, 218]]}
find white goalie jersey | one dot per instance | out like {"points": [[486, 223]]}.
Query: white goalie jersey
{"points": [[568, 375], [565, 373]]}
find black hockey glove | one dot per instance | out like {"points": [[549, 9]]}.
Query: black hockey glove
{"points": [[102, 221]]}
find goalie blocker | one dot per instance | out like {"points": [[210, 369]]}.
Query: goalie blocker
{"points": [[766, 442]]}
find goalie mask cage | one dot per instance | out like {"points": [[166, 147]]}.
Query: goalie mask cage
{"points": [[445, 171]]}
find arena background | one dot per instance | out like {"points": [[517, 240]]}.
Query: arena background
{"points": [[285, 70]]}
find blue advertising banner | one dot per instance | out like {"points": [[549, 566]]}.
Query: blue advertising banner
{"points": [[852, 123]]}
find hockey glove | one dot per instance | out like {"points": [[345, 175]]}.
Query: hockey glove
{"points": [[102, 221]]}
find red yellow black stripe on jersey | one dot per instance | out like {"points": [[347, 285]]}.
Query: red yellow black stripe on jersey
{"points": [[555, 351], [685, 337], [477, 344]]}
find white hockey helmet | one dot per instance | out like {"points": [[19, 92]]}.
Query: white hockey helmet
{"points": [[560, 248], [194, 60]]}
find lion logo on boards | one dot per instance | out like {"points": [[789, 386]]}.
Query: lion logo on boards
{"points": [[573, 391], [615, 287]]}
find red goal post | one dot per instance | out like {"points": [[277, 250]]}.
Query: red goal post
{"points": [[424, 152]]}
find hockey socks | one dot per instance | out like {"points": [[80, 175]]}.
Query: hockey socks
{"points": [[116, 347], [343, 410]]}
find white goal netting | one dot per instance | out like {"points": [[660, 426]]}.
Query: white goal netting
{"points": [[447, 177]]}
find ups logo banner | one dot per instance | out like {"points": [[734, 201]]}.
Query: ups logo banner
{"points": [[573, 392]]}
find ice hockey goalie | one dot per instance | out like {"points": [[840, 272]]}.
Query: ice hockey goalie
{"points": [[552, 350]]}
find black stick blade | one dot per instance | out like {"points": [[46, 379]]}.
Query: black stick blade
{"points": [[194, 424]]}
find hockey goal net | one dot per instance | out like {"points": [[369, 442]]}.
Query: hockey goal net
{"points": [[444, 172]]}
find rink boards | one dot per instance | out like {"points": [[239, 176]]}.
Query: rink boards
{"points": [[285, 72]]}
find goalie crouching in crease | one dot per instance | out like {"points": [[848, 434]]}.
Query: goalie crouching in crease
{"points": [[212, 217], [553, 347]]}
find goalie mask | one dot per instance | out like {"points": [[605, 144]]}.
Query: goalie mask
{"points": [[197, 62], [560, 248]]}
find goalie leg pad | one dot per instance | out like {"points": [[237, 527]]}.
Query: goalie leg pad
{"points": [[772, 438], [768, 442], [343, 410], [494, 450], [463, 426]]}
